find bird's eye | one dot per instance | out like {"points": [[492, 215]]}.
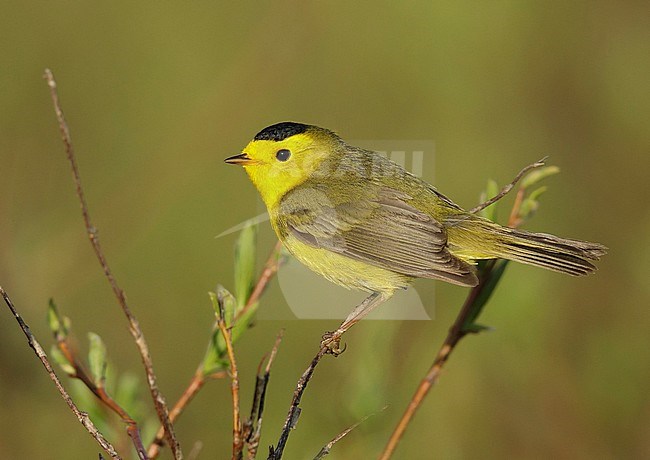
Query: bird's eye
{"points": [[283, 154]]}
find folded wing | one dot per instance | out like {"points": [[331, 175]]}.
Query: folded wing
{"points": [[377, 226]]}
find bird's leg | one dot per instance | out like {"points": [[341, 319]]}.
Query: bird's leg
{"points": [[332, 340]]}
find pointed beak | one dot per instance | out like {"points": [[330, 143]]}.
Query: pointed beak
{"points": [[241, 159]]}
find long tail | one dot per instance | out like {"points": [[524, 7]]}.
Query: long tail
{"points": [[549, 251], [539, 249]]}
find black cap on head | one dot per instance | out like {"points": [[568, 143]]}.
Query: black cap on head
{"points": [[280, 131]]}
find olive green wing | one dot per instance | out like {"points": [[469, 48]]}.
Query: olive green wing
{"points": [[377, 225]]}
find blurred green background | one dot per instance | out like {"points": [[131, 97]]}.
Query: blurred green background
{"points": [[158, 93]]}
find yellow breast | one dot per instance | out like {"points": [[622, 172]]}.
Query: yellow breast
{"points": [[347, 272]]}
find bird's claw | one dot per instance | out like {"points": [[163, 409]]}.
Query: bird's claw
{"points": [[332, 343]]}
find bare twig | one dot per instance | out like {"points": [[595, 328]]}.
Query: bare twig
{"points": [[505, 190], [253, 426], [134, 326], [274, 351], [456, 332], [40, 353], [328, 447], [249, 423], [199, 379]]}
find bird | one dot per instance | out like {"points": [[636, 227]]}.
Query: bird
{"points": [[364, 222]]}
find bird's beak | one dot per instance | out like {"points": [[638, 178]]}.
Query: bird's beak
{"points": [[242, 159]]}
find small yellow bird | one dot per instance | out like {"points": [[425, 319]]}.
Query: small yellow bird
{"points": [[364, 222]]}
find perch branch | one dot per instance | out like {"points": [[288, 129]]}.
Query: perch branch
{"points": [[134, 326], [40, 353]]}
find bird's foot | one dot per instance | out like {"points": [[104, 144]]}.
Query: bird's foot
{"points": [[332, 343]]}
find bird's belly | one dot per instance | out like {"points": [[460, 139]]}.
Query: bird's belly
{"points": [[347, 272]]}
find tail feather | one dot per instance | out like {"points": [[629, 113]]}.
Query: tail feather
{"points": [[548, 251]]}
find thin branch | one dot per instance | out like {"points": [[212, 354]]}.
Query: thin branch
{"points": [[40, 353], [328, 447], [505, 190], [274, 351], [456, 332], [248, 428], [134, 326], [237, 440]]}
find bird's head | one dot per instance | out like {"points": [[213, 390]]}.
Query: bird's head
{"points": [[284, 155]]}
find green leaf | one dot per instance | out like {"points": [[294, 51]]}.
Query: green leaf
{"points": [[127, 389], [59, 326], [243, 323], [53, 317], [97, 358], [491, 190], [535, 194], [61, 360], [531, 203], [475, 328], [127, 394], [212, 363], [537, 175], [102, 418], [215, 303], [67, 325], [215, 356], [229, 303], [245, 257]]}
